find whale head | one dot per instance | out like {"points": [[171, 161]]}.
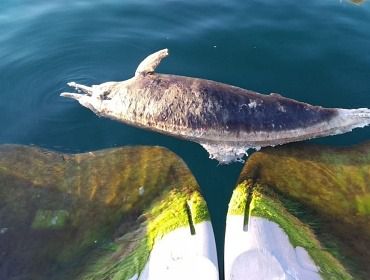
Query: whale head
{"points": [[97, 98], [108, 99]]}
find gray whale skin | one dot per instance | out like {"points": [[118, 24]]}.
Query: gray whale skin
{"points": [[224, 119]]}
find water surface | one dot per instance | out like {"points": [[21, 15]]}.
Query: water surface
{"points": [[314, 51]]}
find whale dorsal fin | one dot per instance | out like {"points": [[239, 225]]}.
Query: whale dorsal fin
{"points": [[148, 65]]}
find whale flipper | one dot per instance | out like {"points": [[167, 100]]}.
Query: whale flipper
{"points": [[148, 65]]}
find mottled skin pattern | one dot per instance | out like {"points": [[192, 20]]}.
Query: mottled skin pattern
{"points": [[203, 104], [209, 112]]}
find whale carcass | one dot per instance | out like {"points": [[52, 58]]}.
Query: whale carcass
{"points": [[224, 119]]}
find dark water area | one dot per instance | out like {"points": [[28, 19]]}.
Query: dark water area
{"points": [[314, 51]]}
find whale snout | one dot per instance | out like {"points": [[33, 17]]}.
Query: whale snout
{"points": [[81, 89], [76, 96], [88, 97], [99, 92]]}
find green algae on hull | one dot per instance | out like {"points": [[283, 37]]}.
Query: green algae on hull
{"points": [[90, 216], [332, 185], [50, 219], [163, 216], [265, 203]]}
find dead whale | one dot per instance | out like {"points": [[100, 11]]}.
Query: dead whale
{"points": [[224, 119]]}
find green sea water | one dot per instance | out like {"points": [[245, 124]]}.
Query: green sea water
{"points": [[314, 51]]}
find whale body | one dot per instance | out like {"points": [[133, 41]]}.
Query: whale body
{"points": [[224, 119]]}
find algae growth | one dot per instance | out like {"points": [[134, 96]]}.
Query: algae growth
{"points": [[266, 204], [326, 188], [97, 215], [90, 216], [162, 217], [50, 219]]}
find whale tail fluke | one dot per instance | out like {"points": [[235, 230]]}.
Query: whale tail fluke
{"points": [[355, 118], [362, 114]]}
